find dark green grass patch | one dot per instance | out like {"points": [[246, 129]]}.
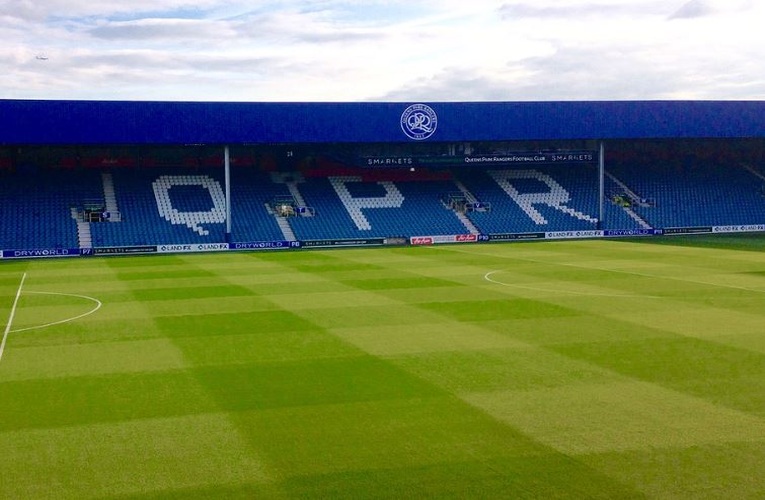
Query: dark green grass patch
{"points": [[381, 434], [93, 399], [10, 282], [310, 382], [760, 274], [432, 448], [718, 373], [262, 346], [319, 262], [486, 310], [520, 478], [748, 241]]}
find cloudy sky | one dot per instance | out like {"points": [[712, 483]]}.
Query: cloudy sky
{"points": [[382, 50]]}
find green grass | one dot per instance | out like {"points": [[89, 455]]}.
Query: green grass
{"points": [[569, 369]]}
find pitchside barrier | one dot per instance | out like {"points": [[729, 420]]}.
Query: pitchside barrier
{"points": [[397, 241]]}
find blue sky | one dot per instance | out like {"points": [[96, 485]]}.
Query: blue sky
{"points": [[384, 50]]}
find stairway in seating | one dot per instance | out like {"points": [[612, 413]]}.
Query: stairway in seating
{"points": [[467, 223], [84, 237], [753, 171], [284, 225], [464, 190], [637, 218], [110, 198], [470, 199]]}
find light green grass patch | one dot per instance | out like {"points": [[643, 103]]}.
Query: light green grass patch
{"points": [[456, 271], [709, 471], [487, 310], [326, 264], [289, 284], [208, 305], [363, 316], [600, 417], [428, 337], [35, 310], [624, 288], [105, 460], [691, 320], [444, 294], [94, 328], [145, 262], [165, 282], [162, 273], [70, 360], [497, 369]]}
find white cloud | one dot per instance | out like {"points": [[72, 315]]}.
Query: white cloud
{"points": [[340, 50]]}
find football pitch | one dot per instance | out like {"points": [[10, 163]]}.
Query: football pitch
{"points": [[568, 369]]}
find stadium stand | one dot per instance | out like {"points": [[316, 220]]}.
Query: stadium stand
{"points": [[694, 193], [38, 204], [352, 206], [157, 208], [251, 192], [532, 200], [162, 204]]}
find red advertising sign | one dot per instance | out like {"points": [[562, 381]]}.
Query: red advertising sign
{"points": [[421, 240]]}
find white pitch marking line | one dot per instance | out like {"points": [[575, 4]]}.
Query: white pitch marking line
{"points": [[488, 278], [88, 313], [13, 313]]}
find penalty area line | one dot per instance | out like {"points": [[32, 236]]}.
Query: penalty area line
{"points": [[12, 315]]}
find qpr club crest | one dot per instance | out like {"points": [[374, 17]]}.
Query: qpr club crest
{"points": [[419, 121]]}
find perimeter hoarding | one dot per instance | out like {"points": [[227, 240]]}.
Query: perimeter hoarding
{"points": [[424, 240]]}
